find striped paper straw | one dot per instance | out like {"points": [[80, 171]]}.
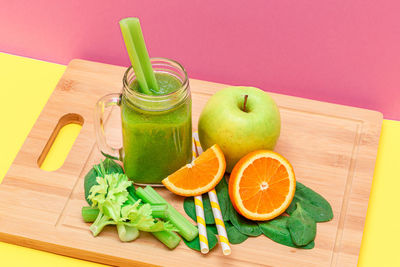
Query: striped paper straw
{"points": [[219, 222], [201, 223]]}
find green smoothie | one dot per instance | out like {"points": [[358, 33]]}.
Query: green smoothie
{"points": [[156, 143]]}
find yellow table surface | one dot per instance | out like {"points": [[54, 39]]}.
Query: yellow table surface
{"points": [[25, 86]]}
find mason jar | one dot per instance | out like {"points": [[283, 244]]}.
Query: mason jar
{"points": [[156, 129]]}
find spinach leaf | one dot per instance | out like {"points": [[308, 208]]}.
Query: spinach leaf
{"points": [[302, 226], [195, 243], [243, 225], [188, 206], [213, 228], [312, 202], [277, 230], [190, 209], [234, 236], [223, 199], [90, 180], [109, 165]]}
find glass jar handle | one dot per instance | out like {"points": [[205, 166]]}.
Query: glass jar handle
{"points": [[103, 103]]}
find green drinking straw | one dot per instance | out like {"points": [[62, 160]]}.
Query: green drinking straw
{"points": [[136, 47]]}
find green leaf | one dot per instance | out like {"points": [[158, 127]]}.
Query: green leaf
{"points": [[312, 202], [195, 243], [302, 226], [223, 199], [98, 192], [139, 216], [245, 226], [190, 209], [131, 212], [90, 180], [213, 228], [110, 193], [234, 235], [111, 187], [132, 193], [277, 230], [118, 204], [109, 167]]}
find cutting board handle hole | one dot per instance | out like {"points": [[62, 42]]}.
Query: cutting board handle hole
{"points": [[60, 142]]}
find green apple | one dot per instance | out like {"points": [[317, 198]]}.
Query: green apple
{"points": [[239, 132]]}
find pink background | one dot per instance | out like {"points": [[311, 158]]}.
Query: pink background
{"points": [[341, 51]]}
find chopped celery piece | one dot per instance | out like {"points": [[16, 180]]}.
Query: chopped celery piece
{"points": [[159, 211], [89, 214], [187, 230], [127, 233], [168, 238]]}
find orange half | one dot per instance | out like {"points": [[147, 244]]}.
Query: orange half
{"points": [[200, 176], [262, 185]]}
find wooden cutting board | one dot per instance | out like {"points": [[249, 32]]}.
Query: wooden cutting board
{"points": [[332, 148]]}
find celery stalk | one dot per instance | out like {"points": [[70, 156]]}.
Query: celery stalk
{"points": [[127, 233], [168, 238], [185, 228], [89, 214], [132, 193], [159, 211], [136, 47]]}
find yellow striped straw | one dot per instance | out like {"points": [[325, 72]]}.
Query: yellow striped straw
{"points": [[201, 222], [219, 222]]}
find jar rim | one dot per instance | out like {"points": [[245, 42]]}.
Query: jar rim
{"points": [[155, 97]]}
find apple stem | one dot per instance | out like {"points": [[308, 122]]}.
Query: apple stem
{"points": [[244, 103]]}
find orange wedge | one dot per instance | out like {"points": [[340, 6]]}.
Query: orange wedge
{"points": [[200, 176], [262, 185]]}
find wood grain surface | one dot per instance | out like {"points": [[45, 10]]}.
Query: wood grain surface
{"points": [[332, 148]]}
